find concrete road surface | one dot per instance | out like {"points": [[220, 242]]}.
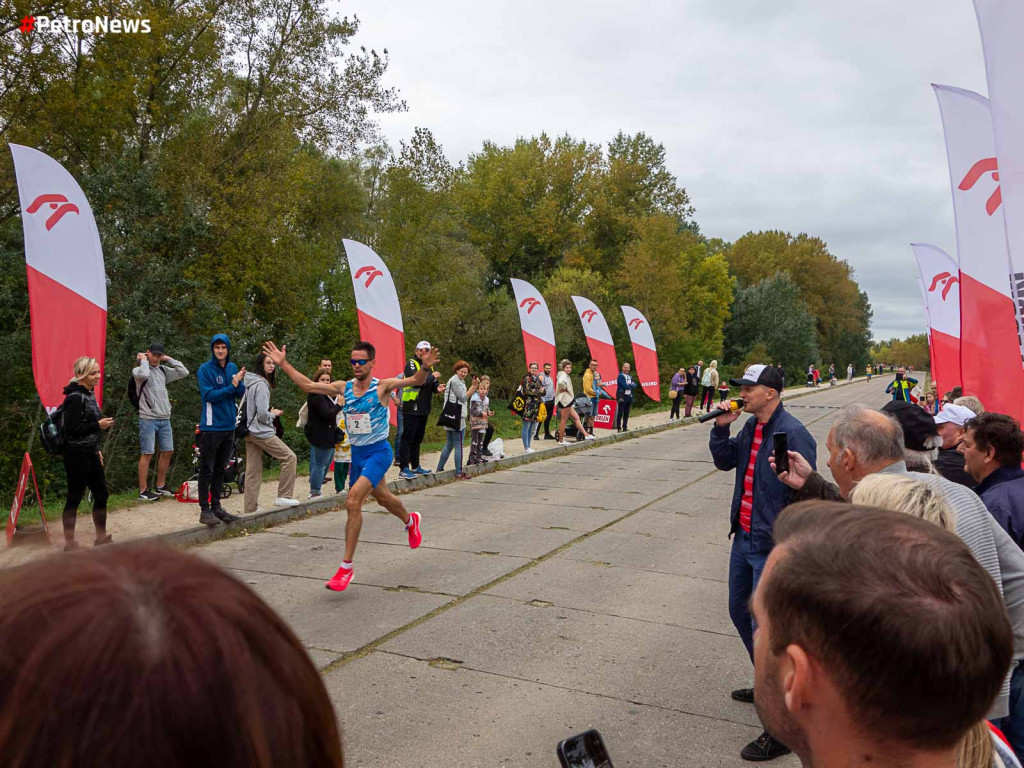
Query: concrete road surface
{"points": [[585, 591]]}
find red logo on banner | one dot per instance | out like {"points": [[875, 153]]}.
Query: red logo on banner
{"points": [[638, 322], [54, 202], [372, 273], [534, 303], [979, 169], [19, 498], [605, 415], [589, 315], [946, 280]]}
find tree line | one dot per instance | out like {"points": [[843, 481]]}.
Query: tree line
{"points": [[227, 154]]}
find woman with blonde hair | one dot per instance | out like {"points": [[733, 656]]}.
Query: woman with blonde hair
{"points": [[980, 748], [709, 383], [565, 398], [83, 460]]}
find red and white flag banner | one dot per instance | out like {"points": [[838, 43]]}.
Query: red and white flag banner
{"points": [[645, 354], [1001, 23], [990, 358], [67, 285], [535, 319], [380, 316], [940, 284], [927, 321], [599, 341]]}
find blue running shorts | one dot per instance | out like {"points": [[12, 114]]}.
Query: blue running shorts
{"points": [[371, 461]]}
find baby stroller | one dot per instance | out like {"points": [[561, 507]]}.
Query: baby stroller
{"points": [[234, 472], [584, 409]]}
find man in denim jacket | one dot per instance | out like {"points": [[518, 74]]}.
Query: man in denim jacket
{"points": [[758, 498]]}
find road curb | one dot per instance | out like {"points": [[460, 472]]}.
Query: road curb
{"points": [[203, 534]]}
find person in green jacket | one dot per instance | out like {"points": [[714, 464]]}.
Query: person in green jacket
{"points": [[901, 386]]}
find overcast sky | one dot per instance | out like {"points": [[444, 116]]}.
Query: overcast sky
{"points": [[815, 117]]}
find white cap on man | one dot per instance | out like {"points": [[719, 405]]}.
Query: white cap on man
{"points": [[954, 414], [423, 345]]}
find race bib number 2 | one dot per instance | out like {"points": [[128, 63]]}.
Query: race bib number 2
{"points": [[358, 423]]}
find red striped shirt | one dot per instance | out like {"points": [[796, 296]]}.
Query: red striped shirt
{"points": [[747, 502]]}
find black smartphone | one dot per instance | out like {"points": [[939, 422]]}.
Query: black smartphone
{"points": [[781, 452], [584, 750]]}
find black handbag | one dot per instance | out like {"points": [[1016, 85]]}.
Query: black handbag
{"points": [[451, 415], [517, 404]]}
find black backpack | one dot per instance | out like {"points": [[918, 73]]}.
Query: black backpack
{"points": [[242, 420], [52, 434], [135, 391]]}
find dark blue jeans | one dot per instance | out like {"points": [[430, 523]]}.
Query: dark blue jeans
{"points": [[745, 569], [1012, 725]]}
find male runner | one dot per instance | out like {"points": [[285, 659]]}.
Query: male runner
{"points": [[366, 421]]}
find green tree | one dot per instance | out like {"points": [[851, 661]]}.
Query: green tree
{"points": [[771, 316]]}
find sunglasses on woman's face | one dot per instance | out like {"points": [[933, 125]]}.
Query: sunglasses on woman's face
{"points": [[358, 362]]}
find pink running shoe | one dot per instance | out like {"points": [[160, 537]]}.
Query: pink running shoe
{"points": [[340, 580], [415, 537]]}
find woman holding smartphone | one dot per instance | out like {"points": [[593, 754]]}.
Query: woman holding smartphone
{"points": [[83, 461]]}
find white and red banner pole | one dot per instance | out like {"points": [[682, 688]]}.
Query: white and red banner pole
{"points": [[645, 354], [928, 323], [940, 283], [378, 310], [990, 355], [1001, 23], [535, 319], [67, 285], [599, 341]]}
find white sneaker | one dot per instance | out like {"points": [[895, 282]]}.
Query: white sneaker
{"points": [[590, 437], [530, 450], [282, 501], [565, 442], [315, 495]]}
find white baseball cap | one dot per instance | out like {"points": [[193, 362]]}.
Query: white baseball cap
{"points": [[954, 414], [423, 345]]}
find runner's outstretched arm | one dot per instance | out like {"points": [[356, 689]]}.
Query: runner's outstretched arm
{"points": [[386, 386], [278, 356]]}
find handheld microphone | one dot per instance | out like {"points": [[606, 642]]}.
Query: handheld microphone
{"points": [[734, 405]]}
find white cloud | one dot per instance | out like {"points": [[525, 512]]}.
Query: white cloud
{"points": [[813, 117]]}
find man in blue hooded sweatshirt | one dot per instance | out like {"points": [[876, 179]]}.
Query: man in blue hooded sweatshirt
{"points": [[220, 383]]}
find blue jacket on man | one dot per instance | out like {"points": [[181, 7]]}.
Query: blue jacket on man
{"points": [[770, 495], [217, 391], [1003, 494]]}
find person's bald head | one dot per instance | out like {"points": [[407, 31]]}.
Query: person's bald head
{"points": [[861, 442]]}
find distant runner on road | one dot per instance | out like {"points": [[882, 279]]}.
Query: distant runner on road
{"points": [[366, 421]]}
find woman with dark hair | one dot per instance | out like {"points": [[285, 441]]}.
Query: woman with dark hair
{"points": [[147, 656], [83, 460], [691, 389], [456, 392], [263, 438], [321, 430]]}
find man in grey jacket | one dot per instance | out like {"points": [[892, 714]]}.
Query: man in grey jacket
{"points": [[152, 375]]}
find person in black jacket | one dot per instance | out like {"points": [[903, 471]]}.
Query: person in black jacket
{"points": [[83, 461], [321, 429], [416, 402]]}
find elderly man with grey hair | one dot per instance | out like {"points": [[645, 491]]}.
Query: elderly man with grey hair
{"points": [[863, 442], [970, 401]]}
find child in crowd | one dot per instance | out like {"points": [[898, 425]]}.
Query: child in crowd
{"points": [[479, 414], [723, 391], [342, 457]]}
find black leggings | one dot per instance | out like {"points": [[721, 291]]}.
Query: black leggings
{"points": [[84, 470], [707, 398], [674, 412]]}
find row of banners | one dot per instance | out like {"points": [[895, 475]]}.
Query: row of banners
{"points": [[68, 293], [975, 301], [380, 323]]}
